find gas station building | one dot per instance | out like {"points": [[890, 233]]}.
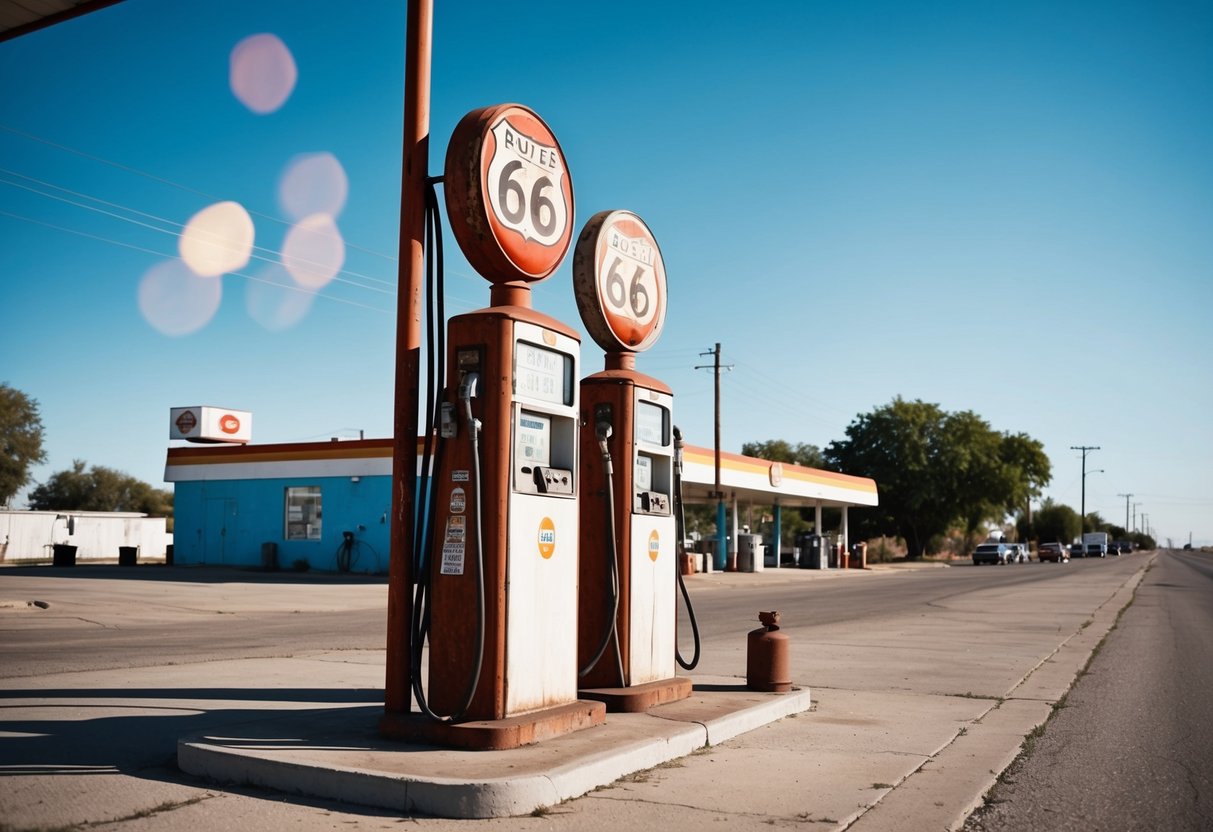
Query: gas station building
{"points": [[231, 500]]}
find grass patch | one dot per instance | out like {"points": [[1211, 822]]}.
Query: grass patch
{"points": [[879, 786]]}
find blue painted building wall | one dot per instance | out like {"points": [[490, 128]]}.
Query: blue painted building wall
{"points": [[224, 522]]}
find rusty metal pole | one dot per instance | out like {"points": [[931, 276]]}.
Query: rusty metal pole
{"points": [[413, 175]]}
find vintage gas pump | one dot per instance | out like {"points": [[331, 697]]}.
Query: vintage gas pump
{"points": [[628, 530], [501, 578]]}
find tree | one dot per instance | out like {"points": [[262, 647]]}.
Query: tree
{"points": [[779, 450], [20, 441], [1056, 522], [935, 469], [99, 489]]}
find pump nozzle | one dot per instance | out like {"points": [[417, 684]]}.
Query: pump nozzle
{"points": [[469, 386]]}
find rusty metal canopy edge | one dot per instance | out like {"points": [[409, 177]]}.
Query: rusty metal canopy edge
{"points": [[20, 17]]}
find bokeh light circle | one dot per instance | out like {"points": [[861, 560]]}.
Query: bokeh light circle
{"points": [[313, 183], [275, 301], [175, 301], [218, 239], [313, 251], [262, 73]]}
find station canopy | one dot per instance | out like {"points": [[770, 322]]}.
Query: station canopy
{"points": [[20, 17]]}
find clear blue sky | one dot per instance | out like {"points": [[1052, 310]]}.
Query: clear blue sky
{"points": [[1003, 209]]}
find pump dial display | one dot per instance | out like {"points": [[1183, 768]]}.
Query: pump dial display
{"points": [[619, 282], [508, 193]]}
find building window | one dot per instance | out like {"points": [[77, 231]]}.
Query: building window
{"points": [[303, 513]]}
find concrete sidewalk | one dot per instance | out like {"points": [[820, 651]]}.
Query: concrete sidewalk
{"points": [[911, 721]]}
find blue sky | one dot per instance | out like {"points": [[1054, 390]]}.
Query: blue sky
{"points": [[1008, 210]]}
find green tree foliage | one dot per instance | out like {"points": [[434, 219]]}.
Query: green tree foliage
{"points": [[778, 450], [1054, 522], [99, 489], [935, 469], [1094, 522], [20, 441]]}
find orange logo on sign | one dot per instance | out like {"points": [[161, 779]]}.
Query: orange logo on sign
{"points": [[547, 538], [654, 546], [229, 423]]}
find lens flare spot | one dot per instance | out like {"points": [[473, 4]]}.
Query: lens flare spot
{"points": [[313, 183], [175, 301], [262, 73], [313, 251], [275, 301], [218, 239]]}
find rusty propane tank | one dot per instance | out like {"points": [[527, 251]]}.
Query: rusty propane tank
{"points": [[767, 666]]}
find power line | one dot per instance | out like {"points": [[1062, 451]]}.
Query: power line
{"points": [[178, 234], [290, 287], [154, 178]]}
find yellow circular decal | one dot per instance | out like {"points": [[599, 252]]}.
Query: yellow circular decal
{"points": [[547, 538], [654, 546]]}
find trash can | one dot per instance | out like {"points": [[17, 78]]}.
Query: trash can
{"points": [[812, 552], [63, 554], [749, 553], [269, 556], [128, 555], [859, 555]]}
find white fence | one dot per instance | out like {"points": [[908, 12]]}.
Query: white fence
{"points": [[30, 535]]}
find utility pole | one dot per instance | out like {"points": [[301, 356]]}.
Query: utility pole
{"points": [[1126, 496], [1083, 509], [1135, 505], [722, 540], [411, 270]]}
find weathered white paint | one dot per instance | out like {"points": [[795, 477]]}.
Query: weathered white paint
{"points": [[29, 535]]}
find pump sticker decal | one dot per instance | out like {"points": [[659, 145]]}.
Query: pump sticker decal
{"points": [[452, 546], [460, 475], [547, 538], [654, 545], [459, 500]]}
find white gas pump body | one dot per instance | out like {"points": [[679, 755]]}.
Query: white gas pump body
{"points": [[541, 582], [652, 552]]}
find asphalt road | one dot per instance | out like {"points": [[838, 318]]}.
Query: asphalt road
{"points": [[1132, 748], [179, 631], [106, 617]]}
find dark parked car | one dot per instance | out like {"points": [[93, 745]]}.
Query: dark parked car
{"points": [[1052, 552], [1076, 550], [990, 553]]}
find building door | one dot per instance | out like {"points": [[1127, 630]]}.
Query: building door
{"points": [[220, 515]]}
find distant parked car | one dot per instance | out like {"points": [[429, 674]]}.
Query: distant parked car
{"points": [[1114, 548], [1052, 552], [990, 553], [1076, 550]]}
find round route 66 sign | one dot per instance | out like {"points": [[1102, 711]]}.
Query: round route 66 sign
{"points": [[619, 282], [509, 196]]}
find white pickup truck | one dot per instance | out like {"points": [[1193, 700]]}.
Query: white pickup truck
{"points": [[1095, 545]]}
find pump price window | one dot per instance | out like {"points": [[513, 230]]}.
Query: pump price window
{"points": [[531, 446], [543, 374], [652, 424], [643, 479]]}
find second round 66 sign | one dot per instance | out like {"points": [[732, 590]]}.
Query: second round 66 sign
{"points": [[619, 281]]}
